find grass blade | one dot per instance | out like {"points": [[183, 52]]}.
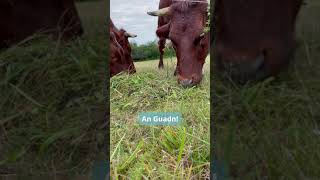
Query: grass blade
{"points": [[54, 137], [132, 157], [182, 145], [26, 95]]}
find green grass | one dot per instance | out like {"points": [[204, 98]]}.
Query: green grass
{"points": [[139, 152], [52, 102], [270, 130]]}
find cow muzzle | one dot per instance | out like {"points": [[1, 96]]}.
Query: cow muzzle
{"points": [[246, 70], [189, 82]]}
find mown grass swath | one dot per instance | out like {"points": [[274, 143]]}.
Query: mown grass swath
{"points": [[271, 129], [159, 152], [52, 103]]}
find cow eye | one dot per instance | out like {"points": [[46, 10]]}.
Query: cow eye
{"points": [[197, 40], [194, 4]]}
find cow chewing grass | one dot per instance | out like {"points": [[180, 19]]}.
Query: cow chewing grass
{"points": [[268, 129]]}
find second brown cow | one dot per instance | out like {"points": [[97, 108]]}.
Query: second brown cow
{"points": [[120, 50]]}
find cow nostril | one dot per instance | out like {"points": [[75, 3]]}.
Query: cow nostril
{"points": [[186, 82], [258, 62], [246, 70]]}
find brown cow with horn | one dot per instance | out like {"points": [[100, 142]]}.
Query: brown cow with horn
{"points": [[120, 50], [22, 18], [183, 22], [254, 39]]}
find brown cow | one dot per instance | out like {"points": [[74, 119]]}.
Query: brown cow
{"points": [[116, 56], [22, 18], [254, 39], [120, 51], [183, 23]]}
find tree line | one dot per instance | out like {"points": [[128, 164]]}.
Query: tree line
{"points": [[149, 51]]}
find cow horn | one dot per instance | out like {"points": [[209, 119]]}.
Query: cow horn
{"points": [[130, 35], [160, 12]]}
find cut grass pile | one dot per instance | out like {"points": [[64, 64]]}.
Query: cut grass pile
{"points": [[159, 152], [52, 102]]}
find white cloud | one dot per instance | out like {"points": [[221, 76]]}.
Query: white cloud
{"points": [[132, 16]]}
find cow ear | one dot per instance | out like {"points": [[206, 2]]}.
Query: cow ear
{"points": [[163, 31]]}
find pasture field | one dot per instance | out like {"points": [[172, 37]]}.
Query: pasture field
{"points": [[159, 152], [52, 101], [271, 130]]}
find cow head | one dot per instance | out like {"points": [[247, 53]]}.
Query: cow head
{"points": [[254, 39], [185, 30], [124, 42], [120, 55], [117, 59]]}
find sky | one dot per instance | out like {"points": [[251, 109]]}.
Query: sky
{"points": [[132, 16]]}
